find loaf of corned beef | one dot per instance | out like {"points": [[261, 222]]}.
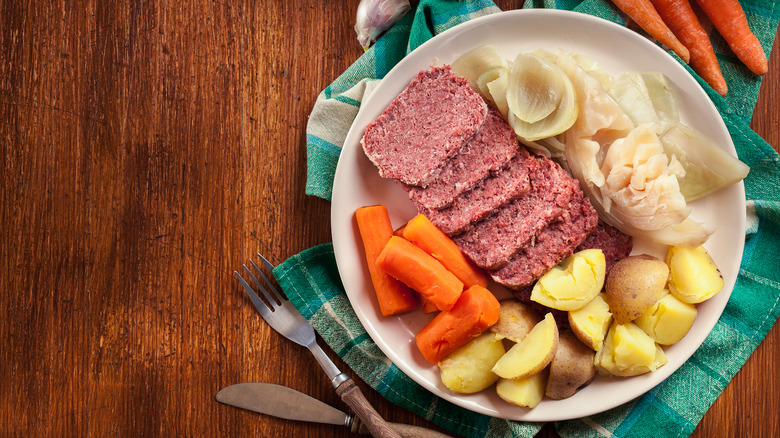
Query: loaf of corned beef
{"points": [[510, 182], [493, 240], [550, 246], [430, 121], [491, 147]]}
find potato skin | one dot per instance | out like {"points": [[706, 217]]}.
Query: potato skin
{"points": [[515, 320], [633, 285], [571, 368]]}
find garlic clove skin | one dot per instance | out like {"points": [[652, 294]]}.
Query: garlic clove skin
{"points": [[374, 17]]}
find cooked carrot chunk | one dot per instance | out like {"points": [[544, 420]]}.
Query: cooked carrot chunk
{"points": [[475, 311], [423, 233], [375, 230], [418, 270]]}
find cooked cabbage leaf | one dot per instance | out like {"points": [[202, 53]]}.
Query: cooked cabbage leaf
{"points": [[707, 167]]}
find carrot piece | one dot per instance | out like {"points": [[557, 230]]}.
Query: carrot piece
{"points": [[475, 311], [426, 306], [375, 230], [681, 19], [729, 18], [400, 231], [423, 233], [418, 270], [645, 15]]}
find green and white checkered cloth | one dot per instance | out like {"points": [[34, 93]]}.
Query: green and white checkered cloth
{"points": [[675, 406]]}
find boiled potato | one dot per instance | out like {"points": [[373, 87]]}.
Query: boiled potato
{"points": [[467, 369], [534, 352], [515, 320], [573, 283], [523, 392], [571, 368], [694, 276], [668, 320], [633, 285], [629, 351], [591, 323]]}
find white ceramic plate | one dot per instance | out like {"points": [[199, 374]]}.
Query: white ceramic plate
{"points": [[357, 184]]}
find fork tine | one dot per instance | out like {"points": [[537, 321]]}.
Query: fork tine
{"points": [[272, 301], [280, 297], [266, 263], [260, 305]]}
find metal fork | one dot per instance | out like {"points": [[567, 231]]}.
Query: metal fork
{"points": [[283, 317]]}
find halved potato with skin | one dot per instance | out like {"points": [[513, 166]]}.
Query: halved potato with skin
{"points": [[515, 320], [668, 321], [532, 354], [591, 323], [571, 368], [573, 283], [694, 277], [526, 392], [467, 369], [629, 351], [634, 284]]}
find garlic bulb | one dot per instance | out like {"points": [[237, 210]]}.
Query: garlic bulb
{"points": [[376, 16]]}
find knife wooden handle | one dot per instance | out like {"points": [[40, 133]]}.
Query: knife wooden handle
{"points": [[405, 430], [354, 398]]}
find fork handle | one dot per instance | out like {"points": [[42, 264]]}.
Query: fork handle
{"points": [[354, 398]]}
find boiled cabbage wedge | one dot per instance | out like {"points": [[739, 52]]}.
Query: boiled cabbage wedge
{"points": [[624, 169]]}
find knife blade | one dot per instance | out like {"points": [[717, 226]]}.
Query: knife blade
{"points": [[283, 402]]}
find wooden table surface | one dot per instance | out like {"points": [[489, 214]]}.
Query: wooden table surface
{"points": [[151, 148]]}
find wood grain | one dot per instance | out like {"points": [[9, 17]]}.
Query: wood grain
{"points": [[149, 149]]}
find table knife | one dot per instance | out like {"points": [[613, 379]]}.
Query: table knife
{"points": [[283, 402]]}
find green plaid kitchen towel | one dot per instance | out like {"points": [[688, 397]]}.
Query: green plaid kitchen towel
{"points": [[675, 406]]}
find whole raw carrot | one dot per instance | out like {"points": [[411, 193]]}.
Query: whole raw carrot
{"points": [[681, 19], [645, 15], [729, 18], [393, 296]]}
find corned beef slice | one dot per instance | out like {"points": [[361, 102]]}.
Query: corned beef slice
{"points": [[492, 241], [510, 182], [424, 126], [551, 246], [491, 147]]}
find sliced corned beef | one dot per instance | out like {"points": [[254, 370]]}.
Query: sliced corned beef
{"points": [[424, 126], [510, 182], [491, 148], [492, 241], [550, 246]]}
